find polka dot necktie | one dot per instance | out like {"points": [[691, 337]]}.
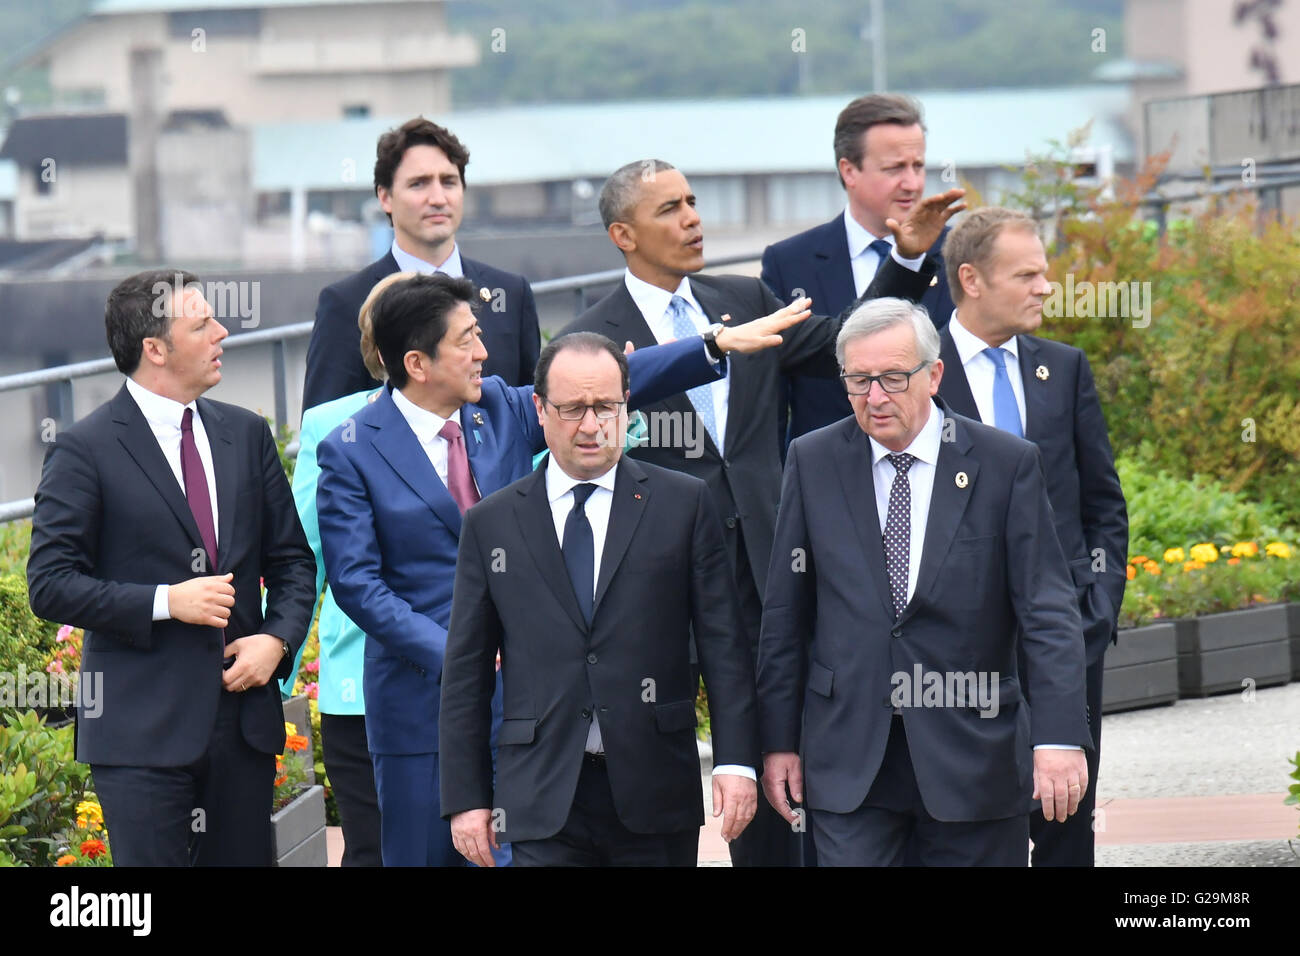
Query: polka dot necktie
{"points": [[898, 531]]}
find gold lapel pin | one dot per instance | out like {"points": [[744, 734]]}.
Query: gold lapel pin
{"points": [[961, 479], [1042, 373], [478, 418], [485, 294]]}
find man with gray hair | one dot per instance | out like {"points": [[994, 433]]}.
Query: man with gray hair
{"points": [[866, 682], [649, 210]]}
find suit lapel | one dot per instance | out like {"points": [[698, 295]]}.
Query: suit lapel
{"points": [[138, 439], [533, 512], [954, 385], [834, 269], [631, 497], [854, 461], [481, 447], [226, 474], [1037, 391], [947, 505], [395, 441]]}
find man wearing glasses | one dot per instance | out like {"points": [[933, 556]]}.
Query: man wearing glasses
{"points": [[926, 569]]}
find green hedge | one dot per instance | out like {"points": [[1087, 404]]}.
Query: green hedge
{"points": [[24, 638]]}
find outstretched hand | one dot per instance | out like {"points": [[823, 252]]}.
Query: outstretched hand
{"points": [[919, 231], [762, 333]]}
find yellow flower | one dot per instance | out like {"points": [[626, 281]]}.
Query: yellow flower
{"points": [[1205, 553], [90, 816], [1276, 549], [1174, 555], [290, 728], [1151, 567], [1245, 549]]}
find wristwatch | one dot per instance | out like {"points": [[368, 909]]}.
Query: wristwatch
{"points": [[285, 645], [710, 337]]}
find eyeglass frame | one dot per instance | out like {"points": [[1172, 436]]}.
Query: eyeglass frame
{"points": [[872, 379], [618, 406]]}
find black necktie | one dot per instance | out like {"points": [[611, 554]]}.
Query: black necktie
{"points": [[898, 531], [580, 550]]}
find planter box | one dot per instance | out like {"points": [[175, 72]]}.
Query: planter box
{"points": [[300, 830], [1217, 652], [1293, 629], [1141, 670]]}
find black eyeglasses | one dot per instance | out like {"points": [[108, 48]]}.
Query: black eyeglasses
{"points": [[892, 382], [604, 411]]}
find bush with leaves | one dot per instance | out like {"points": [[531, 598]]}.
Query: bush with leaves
{"points": [[25, 639], [41, 787]]}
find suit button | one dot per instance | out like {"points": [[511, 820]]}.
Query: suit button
{"points": [[591, 658], [585, 713], [896, 632], [731, 521]]}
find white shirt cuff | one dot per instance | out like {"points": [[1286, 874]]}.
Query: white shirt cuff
{"points": [[736, 770], [161, 606], [913, 264], [1056, 747]]}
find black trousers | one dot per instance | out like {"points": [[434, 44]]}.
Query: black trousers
{"points": [[593, 835], [352, 781], [892, 827], [1073, 843], [215, 811]]}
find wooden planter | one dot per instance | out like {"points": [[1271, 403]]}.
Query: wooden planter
{"points": [[1141, 670], [1218, 653], [1293, 629], [300, 830]]}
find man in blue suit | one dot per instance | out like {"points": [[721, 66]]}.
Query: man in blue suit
{"points": [[420, 182], [395, 481], [880, 155]]}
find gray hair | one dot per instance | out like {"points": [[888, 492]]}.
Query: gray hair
{"points": [[622, 190], [880, 314]]}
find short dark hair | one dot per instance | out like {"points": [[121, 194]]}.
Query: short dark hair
{"points": [[619, 195], [866, 112], [411, 315], [974, 239], [139, 308], [393, 145], [588, 343]]}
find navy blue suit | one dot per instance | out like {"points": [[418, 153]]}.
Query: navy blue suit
{"points": [[508, 319], [817, 262], [390, 532]]}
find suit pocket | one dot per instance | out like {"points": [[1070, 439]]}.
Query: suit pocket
{"points": [[977, 543], [517, 730], [1082, 572], [820, 679], [678, 715]]}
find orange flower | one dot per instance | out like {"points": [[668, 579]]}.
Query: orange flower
{"points": [[93, 849], [279, 781], [1193, 565], [66, 860], [1151, 567], [1132, 572], [1140, 559], [1234, 560], [297, 742]]}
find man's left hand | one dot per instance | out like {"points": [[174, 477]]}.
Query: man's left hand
{"points": [[256, 658], [920, 230], [1060, 780], [736, 798]]}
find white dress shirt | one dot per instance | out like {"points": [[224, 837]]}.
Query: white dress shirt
{"points": [[164, 418], [409, 263], [426, 426], [559, 492], [653, 303], [864, 259], [979, 369]]}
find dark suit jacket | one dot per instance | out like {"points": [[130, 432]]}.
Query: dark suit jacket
{"points": [[111, 524], [663, 573], [991, 569], [817, 261], [1063, 418], [746, 480], [390, 529], [334, 366]]}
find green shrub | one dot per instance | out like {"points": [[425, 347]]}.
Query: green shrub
{"points": [[40, 786], [24, 638], [15, 542]]}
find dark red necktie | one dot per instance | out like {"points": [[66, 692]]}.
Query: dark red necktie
{"points": [[196, 489], [460, 482]]}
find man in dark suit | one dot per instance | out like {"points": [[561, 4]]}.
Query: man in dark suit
{"points": [[649, 211], [997, 373], [396, 480], [420, 182], [589, 577], [880, 157], [902, 684], [155, 518]]}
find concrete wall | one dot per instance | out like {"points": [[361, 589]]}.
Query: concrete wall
{"points": [[205, 196], [82, 201]]}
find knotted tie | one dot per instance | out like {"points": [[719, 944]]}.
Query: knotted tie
{"points": [[460, 482], [1006, 414], [580, 550]]}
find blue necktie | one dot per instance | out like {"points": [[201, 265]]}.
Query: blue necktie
{"points": [[580, 550], [1006, 413], [702, 395], [881, 248]]}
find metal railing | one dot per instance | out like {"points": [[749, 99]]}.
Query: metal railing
{"points": [[62, 376]]}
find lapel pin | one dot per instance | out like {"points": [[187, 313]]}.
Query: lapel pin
{"points": [[485, 294], [478, 418], [637, 496], [934, 281], [478, 439], [961, 479], [1042, 373]]}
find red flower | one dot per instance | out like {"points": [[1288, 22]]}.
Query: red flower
{"points": [[92, 849]]}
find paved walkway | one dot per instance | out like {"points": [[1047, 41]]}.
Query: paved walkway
{"points": [[1197, 783]]}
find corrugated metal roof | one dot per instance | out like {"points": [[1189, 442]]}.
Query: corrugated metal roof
{"points": [[973, 128]]}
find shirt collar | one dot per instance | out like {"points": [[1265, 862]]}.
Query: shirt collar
{"points": [[925, 446], [859, 238], [409, 263], [970, 345], [654, 301], [424, 423], [158, 410], [559, 484]]}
